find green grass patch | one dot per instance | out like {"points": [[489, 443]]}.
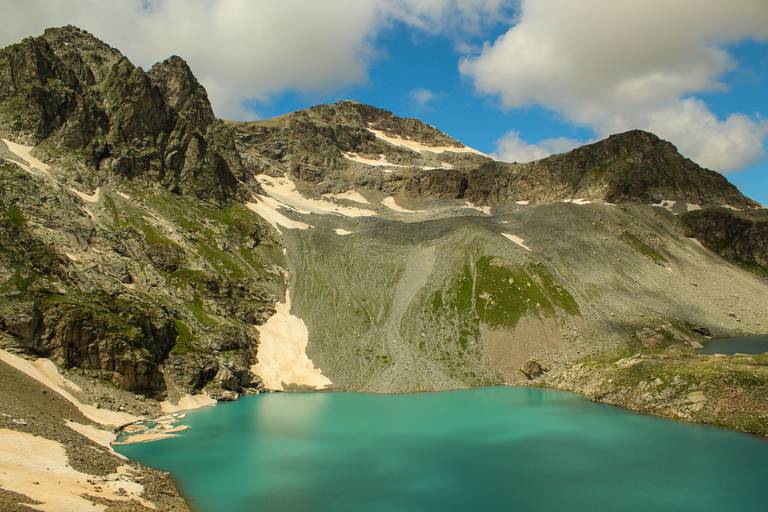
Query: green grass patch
{"points": [[15, 215], [184, 338], [642, 247]]}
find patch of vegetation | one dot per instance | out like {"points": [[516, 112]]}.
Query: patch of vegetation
{"points": [[643, 248], [15, 215], [184, 338], [198, 311], [500, 296], [754, 268], [556, 293]]}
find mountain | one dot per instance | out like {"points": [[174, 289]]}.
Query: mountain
{"points": [[162, 258]]}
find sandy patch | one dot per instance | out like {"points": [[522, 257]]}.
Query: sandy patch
{"points": [[390, 203], [284, 191], [690, 207], [282, 357], [87, 198], [523, 203], [45, 372], [187, 402], [122, 194], [485, 209], [381, 162], [349, 195], [421, 148], [342, 232], [39, 468], [519, 241]]}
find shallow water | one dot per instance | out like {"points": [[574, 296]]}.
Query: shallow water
{"points": [[740, 345], [486, 449]]}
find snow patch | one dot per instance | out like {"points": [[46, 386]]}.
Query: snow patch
{"points": [[187, 402], [266, 208], [31, 164], [39, 469], [381, 162], [284, 191], [523, 203], [418, 147], [578, 201], [282, 357], [342, 232], [519, 241], [87, 198], [46, 373]]}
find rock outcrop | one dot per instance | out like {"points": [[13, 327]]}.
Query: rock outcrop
{"points": [[740, 236], [80, 95]]}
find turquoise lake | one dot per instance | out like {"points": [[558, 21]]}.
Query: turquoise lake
{"points": [[508, 449]]}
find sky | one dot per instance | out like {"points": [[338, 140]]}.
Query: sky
{"points": [[521, 79]]}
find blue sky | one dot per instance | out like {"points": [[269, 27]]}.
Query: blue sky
{"points": [[410, 61], [518, 78]]}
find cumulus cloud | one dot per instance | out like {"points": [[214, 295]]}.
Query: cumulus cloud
{"points": [[629, 64], [423, 97], [512, 148], [242, 49]]}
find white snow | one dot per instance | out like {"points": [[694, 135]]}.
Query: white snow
{"points": [[284, 191], [519, 241], [25, 153], [39, 468], [87, 198], [579, 201], [46, 373], [418, 147], [187, 402], [523, 203], [282, 357], [266, 207]]}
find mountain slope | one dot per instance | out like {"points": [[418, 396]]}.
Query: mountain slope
{"points": [[166, 252]]}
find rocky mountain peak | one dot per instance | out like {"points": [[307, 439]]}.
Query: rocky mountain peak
{"points": [[639, 166], [182, 92], [81, 50]]}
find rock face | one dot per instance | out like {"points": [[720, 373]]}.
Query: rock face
{"points": [[737, 236], [315, 145], [70, 89]]}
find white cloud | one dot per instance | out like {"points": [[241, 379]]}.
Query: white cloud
{"points": [[629, 64], [512, 148], [241, 49], [423, 97]]}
